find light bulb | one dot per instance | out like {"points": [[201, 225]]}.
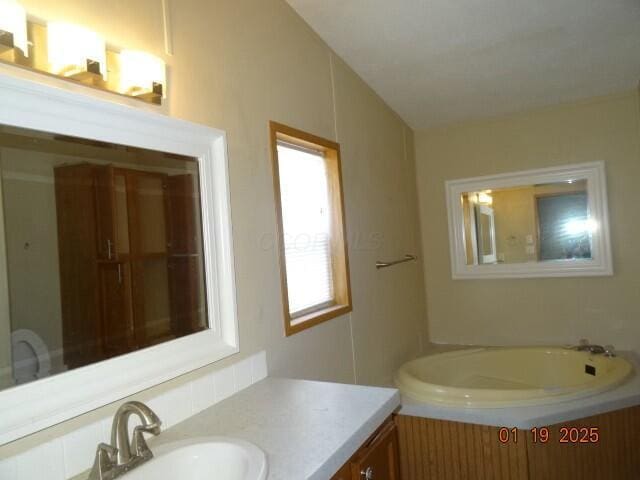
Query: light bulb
{"points": [[142, 73], [13, 25], [74, 50]]}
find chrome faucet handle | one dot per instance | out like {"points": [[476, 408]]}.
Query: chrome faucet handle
{"points": [[585, 346], [105, 462], [139, 445], [609, 351]]}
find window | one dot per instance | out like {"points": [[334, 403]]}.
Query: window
{"points": [[311, 228], [564, 226]]}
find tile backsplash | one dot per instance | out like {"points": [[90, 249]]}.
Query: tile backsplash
{"points": [[71, 454]]}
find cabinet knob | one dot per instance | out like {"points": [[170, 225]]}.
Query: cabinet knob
{"points": [[367, 474]]}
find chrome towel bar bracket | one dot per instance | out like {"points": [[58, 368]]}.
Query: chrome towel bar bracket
{"points": [[407, 258]]}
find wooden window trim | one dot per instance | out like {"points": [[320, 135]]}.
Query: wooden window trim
{"points": [[339, 248]]}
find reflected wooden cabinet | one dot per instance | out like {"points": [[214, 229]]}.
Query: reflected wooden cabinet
{"points": [[377, 459], [130, 259], [105, 205], [117, 334], [184, 241]]}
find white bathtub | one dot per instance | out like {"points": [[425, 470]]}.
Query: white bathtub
{"points": [[504, 377]]}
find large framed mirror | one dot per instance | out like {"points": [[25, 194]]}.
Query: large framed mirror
{"points": [[116, 261], [550, 222]]}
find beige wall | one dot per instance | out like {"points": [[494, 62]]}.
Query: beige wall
{"points": [[32, 247], [515, 219], [238, 64], [527, 311]]}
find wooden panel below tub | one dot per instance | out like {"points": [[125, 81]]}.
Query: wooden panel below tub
{"points": [[616, 455], [443, 450]]}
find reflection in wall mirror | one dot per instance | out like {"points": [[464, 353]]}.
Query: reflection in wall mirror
{"points": [[485, 234], [549, 222], [103, 249], [564, 227], [528, 223]]}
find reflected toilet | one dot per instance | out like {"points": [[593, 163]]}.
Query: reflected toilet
{"points": [[31, 359]]}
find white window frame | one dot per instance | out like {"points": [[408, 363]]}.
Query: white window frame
{"points": [[25, 103], [600, 264]]}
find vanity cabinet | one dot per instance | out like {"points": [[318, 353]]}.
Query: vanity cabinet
{"points": [[377, 459], [130, 262]]}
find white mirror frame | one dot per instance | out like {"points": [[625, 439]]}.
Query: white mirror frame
{"points": [[601, 263], [28, 408]]}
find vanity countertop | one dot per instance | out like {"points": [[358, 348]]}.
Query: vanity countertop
{"points": [[308, 429]]}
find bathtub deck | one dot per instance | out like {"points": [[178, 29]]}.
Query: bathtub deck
{"points": [[621, 397], [487, 381]]}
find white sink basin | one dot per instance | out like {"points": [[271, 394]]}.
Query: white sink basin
{"points": [[205, 458]]}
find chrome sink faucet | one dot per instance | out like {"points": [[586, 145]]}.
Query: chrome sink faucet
{"points": [[124, 454]]}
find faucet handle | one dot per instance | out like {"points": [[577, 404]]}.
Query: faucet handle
{"points": [[609, 351], [105, 461], [139, 444]]}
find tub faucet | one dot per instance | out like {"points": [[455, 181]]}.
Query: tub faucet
{"points": [[585, 346], [124, 454]]}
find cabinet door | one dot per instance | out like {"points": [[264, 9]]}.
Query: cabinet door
{"points": [[152, 310], [105, 212], [378, 460], [344, 473], [117, 318], [185, 255], [77, 241], [121, 215], [147, 209], [182, 213], [185, 295]]}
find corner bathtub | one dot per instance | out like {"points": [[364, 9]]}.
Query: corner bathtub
{"points": [[506, 377]]}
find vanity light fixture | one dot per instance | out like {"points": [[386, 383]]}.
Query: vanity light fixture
{"points": [[76, 52], [142, 75], [13, 27]]}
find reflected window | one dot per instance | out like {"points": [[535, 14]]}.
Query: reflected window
{"points": [[564, 225]]}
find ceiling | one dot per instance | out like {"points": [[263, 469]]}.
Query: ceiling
{"points": [[443, 61]]}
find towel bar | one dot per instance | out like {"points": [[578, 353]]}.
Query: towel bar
{"points": [[407, 258]]}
